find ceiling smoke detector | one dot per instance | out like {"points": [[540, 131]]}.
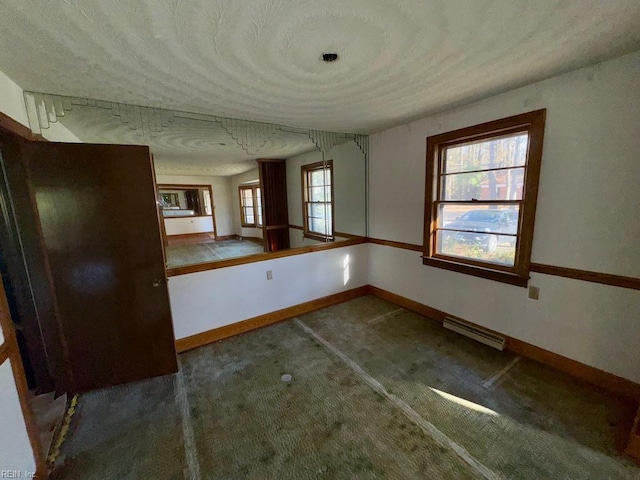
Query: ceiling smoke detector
{"points": [[329, 57]]}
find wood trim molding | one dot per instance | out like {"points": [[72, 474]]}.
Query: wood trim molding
{"points": [[12, 353], [4, 353], [633, 446], [346, 235], [182, 186], [587, 276], [261, 257], [600, 378], [227, 237], [210, 336], [14, 127], [336, 234], [305, 170], [178, 236], [257, 240], [573, 273], [404, 302], [607, 381], [533, 124], [187, 216], [392, 243]]}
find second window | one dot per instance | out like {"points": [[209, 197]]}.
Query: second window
{"points": [[317, 200]]}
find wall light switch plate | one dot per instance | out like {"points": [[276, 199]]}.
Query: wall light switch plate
{"points": [[534, 293], [269, 275]]}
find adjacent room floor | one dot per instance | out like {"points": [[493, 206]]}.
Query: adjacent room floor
{"points": [[374, 391], [209, 250]]}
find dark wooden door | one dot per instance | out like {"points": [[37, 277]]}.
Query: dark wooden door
{"points": [[100, 228]]}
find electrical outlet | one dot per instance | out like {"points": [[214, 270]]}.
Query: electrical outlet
{"points": [[534, 293], [269, 275]]}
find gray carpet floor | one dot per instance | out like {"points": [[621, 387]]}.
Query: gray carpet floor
{"points": [[181, 255], [375, 392]]}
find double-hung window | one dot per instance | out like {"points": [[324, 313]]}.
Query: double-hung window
{"points": [[250, 205], [481, 192], [317, 200]]}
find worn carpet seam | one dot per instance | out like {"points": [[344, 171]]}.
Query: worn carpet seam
{"points": [[384, 316], [190, 448], [492, 381], [430, 429], [213, 250]]}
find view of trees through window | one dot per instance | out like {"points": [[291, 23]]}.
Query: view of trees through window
{"points": [[317, 200], [480, 191]]}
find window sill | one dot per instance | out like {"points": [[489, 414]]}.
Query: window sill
{"points": [[488, 273], [320, 238]]}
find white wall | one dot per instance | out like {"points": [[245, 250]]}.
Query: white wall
{"points": [[15, 448], [587, 217], [349, 187], [206, 300], [220, 187], [236, 180], [187, 225], [297, 239]]}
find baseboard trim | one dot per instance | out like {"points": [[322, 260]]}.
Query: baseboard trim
{"points": [[404, 302], [257, 240], [633, 446], [210, 336], [227, 237], [189, 235], [605, 380]]}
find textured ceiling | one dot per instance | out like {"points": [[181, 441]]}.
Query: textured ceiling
{"points": [[186, 145], [259, 59]]}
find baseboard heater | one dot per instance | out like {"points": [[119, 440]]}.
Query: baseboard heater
{"points": [[478, 334]]}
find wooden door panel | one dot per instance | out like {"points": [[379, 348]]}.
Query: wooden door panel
{"points": [[100, 226]]}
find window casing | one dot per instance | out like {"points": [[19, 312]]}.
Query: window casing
{"points": [[250, 205], [317, 200], [481, 192]]}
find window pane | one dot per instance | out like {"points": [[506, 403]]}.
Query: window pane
{"points": [[248, 215], [207, 201], [319, 225], [319, 194], [319, 210], [480, 218], [316, 178], [492, 185], [509, 151], [485, 247]]}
